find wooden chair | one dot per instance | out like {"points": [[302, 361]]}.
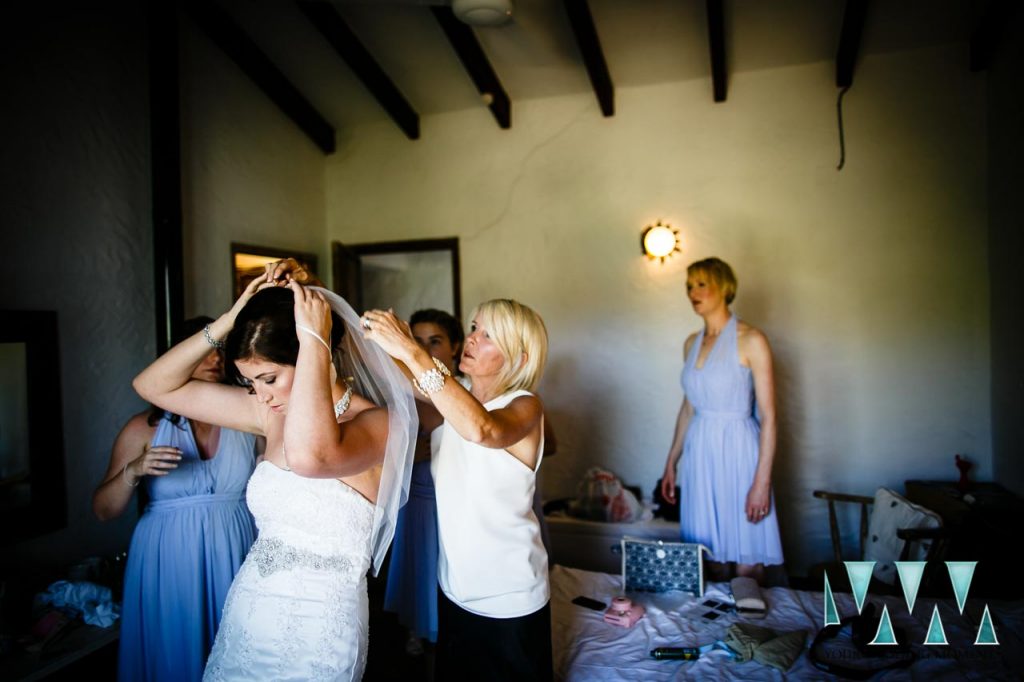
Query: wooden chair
{"points": [[932, 538]]}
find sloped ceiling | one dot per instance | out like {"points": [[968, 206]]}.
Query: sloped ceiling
{"points": [[536, 55]]}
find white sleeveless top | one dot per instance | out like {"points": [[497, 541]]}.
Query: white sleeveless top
{"points": [[492, 560]]}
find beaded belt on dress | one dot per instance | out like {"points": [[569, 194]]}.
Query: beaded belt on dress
{"points": [[273, 554]]}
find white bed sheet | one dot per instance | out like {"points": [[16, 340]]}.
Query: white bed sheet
{"points": [[587, 648]]}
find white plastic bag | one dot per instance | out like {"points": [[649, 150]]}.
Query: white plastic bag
{"points": [[600, 496]]}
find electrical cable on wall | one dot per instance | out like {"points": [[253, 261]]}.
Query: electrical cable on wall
{"points": [[842, 141]]}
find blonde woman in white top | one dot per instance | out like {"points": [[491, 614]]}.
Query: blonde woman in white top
{"points": [[494, 616]]}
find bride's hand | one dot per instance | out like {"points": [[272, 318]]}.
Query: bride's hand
{"points": [[312, 311], [291, 270], [390, 333], [255, 285]]}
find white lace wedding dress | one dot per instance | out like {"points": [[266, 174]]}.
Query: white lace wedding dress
{"points": [[297, 609]]}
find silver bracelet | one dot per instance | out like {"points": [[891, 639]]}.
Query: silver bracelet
{"points": [[219, 345], [432, 380]]}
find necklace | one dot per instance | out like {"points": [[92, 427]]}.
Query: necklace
{"points": [[340, 408]]}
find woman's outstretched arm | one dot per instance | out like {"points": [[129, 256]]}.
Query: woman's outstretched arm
{"points": [[514, 428], [168, 382]]}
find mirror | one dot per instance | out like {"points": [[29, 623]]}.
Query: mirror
{"points": [[406, 275], [247, 262], [32, 489]]}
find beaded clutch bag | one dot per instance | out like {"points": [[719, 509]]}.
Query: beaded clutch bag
{"points": [[658, 566]]}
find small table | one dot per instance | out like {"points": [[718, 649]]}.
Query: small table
{"points": [[983, 521]]}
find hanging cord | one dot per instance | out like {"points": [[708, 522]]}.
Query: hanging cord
{"points": [[842, 141]]}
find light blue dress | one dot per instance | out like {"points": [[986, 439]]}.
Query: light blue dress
{"points": [[187, 547], [720, 455], [412, 574]]}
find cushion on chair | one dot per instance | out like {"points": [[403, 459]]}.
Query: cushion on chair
{"points": [[890, 513]]}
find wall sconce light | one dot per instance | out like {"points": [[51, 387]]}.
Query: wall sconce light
{"points": [[659, 241]]}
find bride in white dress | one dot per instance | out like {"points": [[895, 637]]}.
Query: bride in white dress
{"points": [[327, 492]]}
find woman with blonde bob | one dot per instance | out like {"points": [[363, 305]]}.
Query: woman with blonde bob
{"points": [[494, 620], [725, 432]]}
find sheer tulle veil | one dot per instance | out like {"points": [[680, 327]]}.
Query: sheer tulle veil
{"points": [[376, 377]]}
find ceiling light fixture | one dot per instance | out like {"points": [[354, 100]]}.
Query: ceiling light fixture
{"points": [[659, 241], [483, 12]]}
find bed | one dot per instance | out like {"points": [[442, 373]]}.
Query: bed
{"points": [[587, 648]]}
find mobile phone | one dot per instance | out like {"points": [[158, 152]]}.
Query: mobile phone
{"points": [[711, 615], [711, 603], [588, 603]]}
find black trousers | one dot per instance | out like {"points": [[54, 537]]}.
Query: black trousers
{"points": [[472, 647]]}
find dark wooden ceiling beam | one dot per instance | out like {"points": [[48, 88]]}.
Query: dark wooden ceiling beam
{"points": [[267, 77], [849, 41], [327, 20], [716, 44], [582, 23], [476, 64], [989, 32]]}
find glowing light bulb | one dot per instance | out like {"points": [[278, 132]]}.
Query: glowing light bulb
{"points": [[659, 241]]}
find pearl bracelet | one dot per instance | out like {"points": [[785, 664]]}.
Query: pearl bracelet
{"points": [[432, 380]]}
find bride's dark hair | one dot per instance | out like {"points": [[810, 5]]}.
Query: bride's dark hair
{"points": [[265, 329]]}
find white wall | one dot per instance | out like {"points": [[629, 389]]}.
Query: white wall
{"points": [[249, 175], [871, 283]]}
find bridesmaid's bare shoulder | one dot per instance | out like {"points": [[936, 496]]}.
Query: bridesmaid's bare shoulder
{"points": [[752, 343], [748, 332], [688, 344]]}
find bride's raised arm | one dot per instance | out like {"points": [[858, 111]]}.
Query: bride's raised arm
{"points": [[317, 445]]}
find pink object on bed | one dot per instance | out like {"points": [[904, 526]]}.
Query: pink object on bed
{"points": [[623, 612]]}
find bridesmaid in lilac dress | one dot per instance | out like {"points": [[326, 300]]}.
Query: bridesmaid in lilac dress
{"points": [[725, 433], [190, 541]]}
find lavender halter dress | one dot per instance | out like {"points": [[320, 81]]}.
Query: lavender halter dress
{"points": [[720, 455]]}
